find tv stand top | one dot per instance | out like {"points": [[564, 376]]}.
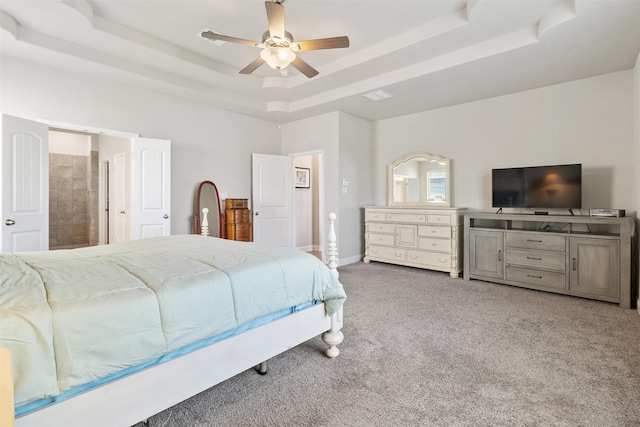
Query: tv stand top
{"points": [[577, 224]]}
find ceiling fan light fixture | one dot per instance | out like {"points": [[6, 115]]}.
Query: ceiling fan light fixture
{"points": [[277, 57]]}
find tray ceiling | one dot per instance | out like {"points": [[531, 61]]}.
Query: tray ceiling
{"points": [[427, 54]]}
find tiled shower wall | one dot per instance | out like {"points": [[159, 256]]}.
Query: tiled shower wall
{"points": [[73, 200]]}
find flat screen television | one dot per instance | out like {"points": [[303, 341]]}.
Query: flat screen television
{"points": [[558, 186]]}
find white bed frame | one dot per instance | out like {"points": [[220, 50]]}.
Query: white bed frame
{"points": [[136, 397]]}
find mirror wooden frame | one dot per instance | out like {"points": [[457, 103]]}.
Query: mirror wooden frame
{"points": [[446, 162], [198, 209]]}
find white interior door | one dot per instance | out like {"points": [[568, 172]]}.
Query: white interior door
{"points": [[272, 203], [119, 198], [25, 185], [151, 187]]}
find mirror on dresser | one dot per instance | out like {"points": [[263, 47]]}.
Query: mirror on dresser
{"points": [[209, 222], [419, 179]]}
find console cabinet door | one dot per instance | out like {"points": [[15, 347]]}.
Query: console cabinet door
{"points": [[594, 267], [486, 253]]}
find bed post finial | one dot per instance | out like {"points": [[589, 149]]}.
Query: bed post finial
{"points": [[204, 230], [333, 336], [332, 249]]}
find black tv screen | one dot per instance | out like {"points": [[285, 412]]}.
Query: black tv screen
{"points": [[558, 186]]}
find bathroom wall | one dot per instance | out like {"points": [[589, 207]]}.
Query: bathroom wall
{"points": [[73, 191]]}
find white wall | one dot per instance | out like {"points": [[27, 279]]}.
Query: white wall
{"points": [[346, 143], [317, 134], [206, 143], [587, 121], [74, 144], [356, 165]]}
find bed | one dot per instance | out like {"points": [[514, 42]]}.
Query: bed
{"points": [[111, 335]]}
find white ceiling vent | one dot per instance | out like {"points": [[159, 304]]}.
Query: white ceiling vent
{"points": [[378, 95]]}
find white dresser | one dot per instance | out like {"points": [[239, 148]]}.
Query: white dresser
{"points": [[429, 238]]}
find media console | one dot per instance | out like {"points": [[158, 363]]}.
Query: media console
{"points": [[589, 257]]}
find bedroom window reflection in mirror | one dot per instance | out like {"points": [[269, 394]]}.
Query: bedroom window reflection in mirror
{"points": [[419, 179]]}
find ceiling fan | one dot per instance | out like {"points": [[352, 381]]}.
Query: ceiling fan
{"points": [[278, 46]]}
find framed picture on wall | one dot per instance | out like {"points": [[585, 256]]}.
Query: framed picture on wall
{"points": [[302, 177]]}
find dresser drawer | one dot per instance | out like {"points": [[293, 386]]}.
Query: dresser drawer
{"points": [[433, 231], [439, 219], [380, 227], [552, 261], [237, 216], [391, 254], [440, 245], [537, 241], [429, 258], [376, 216], [241, 232], [543, 279], [236, 203], [402, 217], [382, 239]]}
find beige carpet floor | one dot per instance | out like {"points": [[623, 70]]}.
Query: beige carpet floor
{"points": [[422, 349]]}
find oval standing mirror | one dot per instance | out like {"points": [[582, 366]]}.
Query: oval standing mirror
{"points": [[207, 218], [419, 179]]}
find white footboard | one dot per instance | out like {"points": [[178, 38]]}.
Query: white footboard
{"points": [[136, 397]]}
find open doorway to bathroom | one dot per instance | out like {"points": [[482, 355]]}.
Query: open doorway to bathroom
{"points": [[73, 189]]}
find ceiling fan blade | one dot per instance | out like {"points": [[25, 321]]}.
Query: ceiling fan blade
{"points": [[253, 66], [275, 17], [328, 43], [304, 68], [213, 36]]}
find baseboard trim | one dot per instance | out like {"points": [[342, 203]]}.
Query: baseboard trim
{"points": [[350, 260]]}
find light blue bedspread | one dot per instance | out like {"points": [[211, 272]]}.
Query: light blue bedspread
{"points": [[72, 317]]}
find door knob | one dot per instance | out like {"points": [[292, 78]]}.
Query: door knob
{"points": [[165, 216], [9, 222], [121, 212], [257, 213]]}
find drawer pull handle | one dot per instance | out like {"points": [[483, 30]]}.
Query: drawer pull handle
{"points": [[398, 255], [433, 231], [574, 264], [535, 277], [537, 259], [534, 241], [499, 255], [434, 244]]}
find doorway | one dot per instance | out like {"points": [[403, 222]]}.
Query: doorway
{"points": [[146, 182], [73, 190], [308, 205]]}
